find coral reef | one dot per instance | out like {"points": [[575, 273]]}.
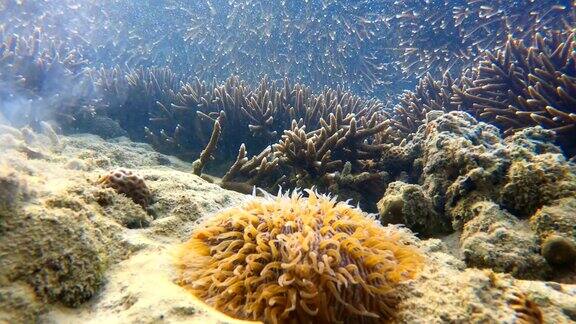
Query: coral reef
{"points": [[520, 86], [485, 186], [408, 204], [61, 221], [128, 183], [508, 204], [303, 138], [495, 239], [440, 36], [291, 258]]}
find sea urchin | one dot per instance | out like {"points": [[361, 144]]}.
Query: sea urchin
{"points": [[294, 259]]}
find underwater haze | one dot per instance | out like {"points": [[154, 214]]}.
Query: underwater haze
{"points": [[288, 161]]}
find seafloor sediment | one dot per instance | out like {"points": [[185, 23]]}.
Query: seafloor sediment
{"points": [[74, 250]]}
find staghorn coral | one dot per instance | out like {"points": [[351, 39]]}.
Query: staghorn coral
{"points": [[41, 79], [439, 36], [521, 86], [341, 155], [301, 138], [128, 183], [135, 99], [289, 258], [429, 95], [206, 154], [339, 43], [178, 115]]}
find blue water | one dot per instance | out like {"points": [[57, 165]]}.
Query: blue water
{"points": [[373, 48]]}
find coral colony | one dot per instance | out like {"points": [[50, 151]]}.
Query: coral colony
{"points": [[295, 259]]}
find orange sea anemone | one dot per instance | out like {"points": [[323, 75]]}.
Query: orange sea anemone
{"points": [[293, 259]]}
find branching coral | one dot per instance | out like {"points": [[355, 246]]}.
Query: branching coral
{"points": [[323, 42], [341, 155], [137, 99], [429, 95], [521, 86], [306, 136], [289, 258], [438, 36]]}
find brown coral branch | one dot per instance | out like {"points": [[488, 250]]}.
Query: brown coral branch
{"points": [[206, 154]]}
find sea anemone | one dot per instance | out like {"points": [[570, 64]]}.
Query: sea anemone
{"points": [[295, 259]]}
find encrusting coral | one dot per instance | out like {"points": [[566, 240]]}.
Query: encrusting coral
{"points": [[128, 183], [408, 204], [295, 259]]}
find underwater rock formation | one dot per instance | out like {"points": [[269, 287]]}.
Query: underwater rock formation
{"points": [[495, 239], [408, 204], [459, 163], [554, 226], [536, 182], [290, 258], [58, 251], [54, 247]]}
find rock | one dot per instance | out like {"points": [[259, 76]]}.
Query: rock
{"points": [[497, 240], [408, 204], [533, 183], [457, 163]]}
